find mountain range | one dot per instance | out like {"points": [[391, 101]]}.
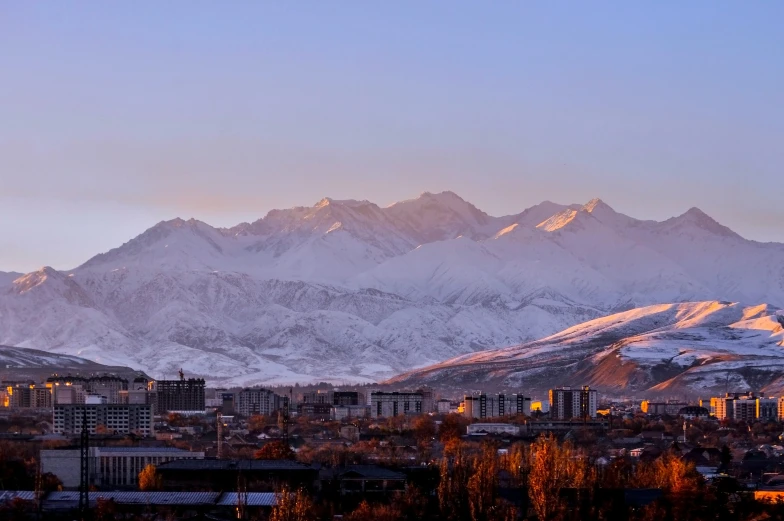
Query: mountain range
{"points": [[350, 291], [665, 349]]}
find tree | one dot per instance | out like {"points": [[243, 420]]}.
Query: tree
{"points": [[553, 468], [292, 506], [726, 457], [149, 479], [424, 428], [365, 512], [452, 427], [483, 484], [453, 486], [275, 450]]}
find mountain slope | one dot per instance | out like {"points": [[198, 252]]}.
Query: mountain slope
{"points": [[673, 348], [348, 290], [19, 364]]}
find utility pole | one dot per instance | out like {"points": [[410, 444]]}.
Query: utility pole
{"points": [[84, 467], [219, 429]]}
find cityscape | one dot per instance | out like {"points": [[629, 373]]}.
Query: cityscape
{"points": [[391, 261]]}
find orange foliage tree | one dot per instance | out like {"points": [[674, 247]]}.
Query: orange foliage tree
{"points": [[275, 450]]}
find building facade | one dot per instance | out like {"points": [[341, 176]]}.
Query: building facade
{"points": [[179, 395], [495, 405], [737, 406], [117, 418], [567, 403], [389, 404], [256, 400], [110, 466]]}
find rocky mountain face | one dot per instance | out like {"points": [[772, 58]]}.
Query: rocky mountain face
{"points": [[350, 291], [667, 349]]}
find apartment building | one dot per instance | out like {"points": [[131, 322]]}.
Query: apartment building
{"points": [[117, 418], [388, 404], [567, 403], [495, 405]]}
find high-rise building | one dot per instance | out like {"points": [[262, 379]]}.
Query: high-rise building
{"points": [[495, 405], [27, 396], [116, 418], [385, 404], [737, 406], [179, 395], [256, 400], [567, 403]]}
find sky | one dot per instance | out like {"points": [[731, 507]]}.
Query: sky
{"points": [[117, 115]]}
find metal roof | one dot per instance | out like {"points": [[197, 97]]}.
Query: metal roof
{"points": [[142, 498], [10, 495], [142, 449], [230, 465], [253, 499]]}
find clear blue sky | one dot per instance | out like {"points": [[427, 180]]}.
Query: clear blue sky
{"points": [[116, 115]]}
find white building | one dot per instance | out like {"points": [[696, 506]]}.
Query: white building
{"points": [[117, 418], [384, 405], [110, 466], [443, 406], [347, 412], [479, 429]]}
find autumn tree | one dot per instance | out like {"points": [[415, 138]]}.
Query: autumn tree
{"points": [[424, 428], [292, 506], [275, 450], [378, 512], [554, 467], [483, 484], [149, 479], [452, 427], [453, 487]]}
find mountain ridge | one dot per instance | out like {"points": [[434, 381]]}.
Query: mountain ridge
{"points": [[359, 292]]}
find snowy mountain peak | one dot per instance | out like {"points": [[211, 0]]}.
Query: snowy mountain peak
{"points": [[558, 221], [597, 205], [696, 218]]}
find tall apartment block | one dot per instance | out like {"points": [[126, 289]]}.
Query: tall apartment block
{"points": [[567, 403], [258, 401], [385, 404], [179, 395], [117, 418], [495, 405]]}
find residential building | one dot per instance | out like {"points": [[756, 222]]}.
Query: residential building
{"points": [[693, 412], [121, 419], [768, 409], [387, 404], [179, 395], [443, 406], [662, 408], [110, 466], [23, 395], [567, 403], [495, 405], [256, 400], [737, 406]]}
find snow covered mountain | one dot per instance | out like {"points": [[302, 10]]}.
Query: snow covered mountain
{"points": [[17, 363], [350, 291], [668, 348]]}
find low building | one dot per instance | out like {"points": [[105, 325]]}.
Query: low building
{"points": [[117, 418], [443, 406], [480, 429], [367, 479], [694, 412], [110, 466], [389, 404], [348, 412], [216, 475]]}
